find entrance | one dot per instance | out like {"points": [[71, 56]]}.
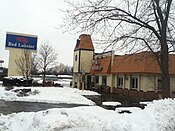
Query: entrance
{"points": [[88, 82]]}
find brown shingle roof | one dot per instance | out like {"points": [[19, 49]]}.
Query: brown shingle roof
{"points": [[84, 42], [143, 62], [105, 63]]}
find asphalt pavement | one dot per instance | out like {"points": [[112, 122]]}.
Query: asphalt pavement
{"points": [[8, 107]]}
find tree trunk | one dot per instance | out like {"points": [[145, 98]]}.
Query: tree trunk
{"points": [[44, 76], [164, 65], [165, 79], [27, 81]]}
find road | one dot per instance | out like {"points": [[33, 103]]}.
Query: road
{"points": [[8, 107]]}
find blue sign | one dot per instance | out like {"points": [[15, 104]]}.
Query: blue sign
{"points": [[14, 40]]}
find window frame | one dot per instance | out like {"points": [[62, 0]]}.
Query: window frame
{"points": [[134, 86], [96, 79], [76, 57], [120, 82], [159, 84], [104, 78]]}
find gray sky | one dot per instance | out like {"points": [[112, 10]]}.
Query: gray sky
{"points": [[36, 17]]}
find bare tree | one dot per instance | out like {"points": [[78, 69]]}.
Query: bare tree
{"points": [[46, 57], [61, 69], [132, 25], [24, 64], [34, 68]]}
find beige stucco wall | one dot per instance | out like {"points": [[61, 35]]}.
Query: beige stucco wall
{"points": [[14, 54], [109, 79], [147, 82], [75, 62], [77, 79], [127, 82], [86, 58], [100, 79]]}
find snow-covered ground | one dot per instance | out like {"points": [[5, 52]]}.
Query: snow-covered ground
{"points": [[157, 116], [50, 95]]}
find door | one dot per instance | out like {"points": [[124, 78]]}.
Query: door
{"points": [[88, 82]]}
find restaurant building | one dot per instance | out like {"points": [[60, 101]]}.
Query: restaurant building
{"points": [[133, 75]]}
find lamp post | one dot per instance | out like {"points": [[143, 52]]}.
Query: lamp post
{"points": [[83, 79]]}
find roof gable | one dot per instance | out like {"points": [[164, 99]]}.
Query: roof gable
{"points": [[105, 64]]}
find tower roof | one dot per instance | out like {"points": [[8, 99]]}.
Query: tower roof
{"points": [[84, 42]]}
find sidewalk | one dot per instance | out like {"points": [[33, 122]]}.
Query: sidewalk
{"points": [[125, 101]]}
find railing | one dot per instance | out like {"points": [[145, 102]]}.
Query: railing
{"points": [[136, 94]]}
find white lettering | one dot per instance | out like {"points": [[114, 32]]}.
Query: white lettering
{"points": [[12, 44], [26, 46]]}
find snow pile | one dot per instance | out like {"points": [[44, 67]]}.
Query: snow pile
{"points": [[111, 103], [129, 109], [158, 116], [50, 95], [145, 102], [64, 82]]}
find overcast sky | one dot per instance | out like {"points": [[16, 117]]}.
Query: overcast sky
{"points": [[36, 17]]}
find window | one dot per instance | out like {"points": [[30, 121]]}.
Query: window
{"points": [[96, 79], [120, 82], [104, 80], [159, 84], [134, 82], [75, 57]]}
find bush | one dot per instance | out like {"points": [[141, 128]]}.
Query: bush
{"points": [[12, 81], [35, 92]]}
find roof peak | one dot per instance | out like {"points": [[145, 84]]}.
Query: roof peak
{"points": [[84, 42]]}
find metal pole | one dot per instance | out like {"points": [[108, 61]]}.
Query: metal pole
{"points": [[83, 86]]}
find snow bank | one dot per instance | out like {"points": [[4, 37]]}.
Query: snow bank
{"points": [[158, 116], [130, 109], [50, 95], [111, 103], [64, 82], [145, 102]]}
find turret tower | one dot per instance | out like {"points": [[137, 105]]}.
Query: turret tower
{"points": [[83, 56]]}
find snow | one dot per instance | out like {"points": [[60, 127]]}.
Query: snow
{"points": [[145, 102], [63, 82], [1, 83], [13, 77], [111, 103], [50, 95], [157, 116]]}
